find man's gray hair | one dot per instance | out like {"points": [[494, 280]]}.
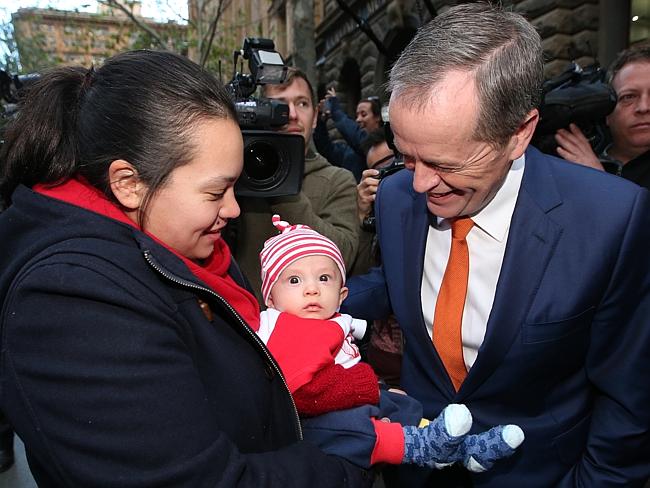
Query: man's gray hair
{"points": [[501, 49]]}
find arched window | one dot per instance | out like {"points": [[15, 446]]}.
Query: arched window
{"points": [[349, 86], [395, 41]]}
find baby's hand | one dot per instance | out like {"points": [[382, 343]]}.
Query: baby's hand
{"points": [[445, 441], [436, 444], [478, 452]]}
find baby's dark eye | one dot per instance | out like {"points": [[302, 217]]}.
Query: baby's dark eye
{"points": [[324, 278], [294, 280]]}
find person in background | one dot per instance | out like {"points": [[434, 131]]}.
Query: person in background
{"points": [[628, 155], [378, 156], [348, 154], [326, 201], [368, 113], [520, 280], [128, 356]]}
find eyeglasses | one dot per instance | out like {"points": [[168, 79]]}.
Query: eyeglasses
{"points": [[382, 161]]}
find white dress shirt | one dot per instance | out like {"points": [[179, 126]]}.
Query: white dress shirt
{"points": [[487, 246]]}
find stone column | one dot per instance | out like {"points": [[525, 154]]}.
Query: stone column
{"points": [[304, 47], [613, 30]]}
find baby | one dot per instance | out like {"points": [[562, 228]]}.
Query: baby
{"points": [[303, 284]]}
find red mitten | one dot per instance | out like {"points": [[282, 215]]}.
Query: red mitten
{"points": [[337, 388]]}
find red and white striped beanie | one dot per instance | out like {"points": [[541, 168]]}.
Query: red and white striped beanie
{"points": [[293, 242]]}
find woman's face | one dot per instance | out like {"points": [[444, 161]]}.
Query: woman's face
{"points": [[190, 210], [365, 118]]}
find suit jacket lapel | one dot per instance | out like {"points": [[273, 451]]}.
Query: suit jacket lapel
{"points": [[417, 228], [531, 241]]}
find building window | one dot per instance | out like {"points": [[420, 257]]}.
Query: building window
{"points": [[349, 86], [639, 21]]}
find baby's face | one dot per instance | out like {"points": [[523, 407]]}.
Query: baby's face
{"points": [[310, 287]]}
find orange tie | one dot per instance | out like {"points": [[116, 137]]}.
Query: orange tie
{"points": [[447, 335]]}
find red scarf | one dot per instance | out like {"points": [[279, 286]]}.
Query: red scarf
{"points": [[213, 272]]}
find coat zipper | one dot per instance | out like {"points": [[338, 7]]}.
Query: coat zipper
{"points": [[188, 284]]}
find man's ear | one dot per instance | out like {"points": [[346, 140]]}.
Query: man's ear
{"points": [[315, 121], [521, 138], [125, 184]]}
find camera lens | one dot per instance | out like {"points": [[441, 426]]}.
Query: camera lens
{"points": [[261, 161]]}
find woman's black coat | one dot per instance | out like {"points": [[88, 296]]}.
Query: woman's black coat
{"points": [[113, 376]]}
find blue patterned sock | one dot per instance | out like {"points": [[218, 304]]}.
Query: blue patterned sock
{"points": [[478, 452], [436, 444]]}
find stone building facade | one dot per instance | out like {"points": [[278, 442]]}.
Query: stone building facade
{"points": [[47, 37], [289, 23]]}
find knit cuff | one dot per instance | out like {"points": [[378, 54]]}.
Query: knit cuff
{"points": [[389, 446], [366, 388], [336, 388]]}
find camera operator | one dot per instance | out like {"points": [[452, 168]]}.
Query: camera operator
{"points": [[629, 124], [326, 202]]}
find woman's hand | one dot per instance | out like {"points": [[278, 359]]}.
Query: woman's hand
{"points": [[324, 110]]}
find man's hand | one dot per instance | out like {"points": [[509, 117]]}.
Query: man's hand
{"points": [[366, 191], [574, 146], [331, 92]]}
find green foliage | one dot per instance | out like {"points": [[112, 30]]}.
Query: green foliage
{"points": [[23, 54], [28, 53], [228, 39], [173, 35]]}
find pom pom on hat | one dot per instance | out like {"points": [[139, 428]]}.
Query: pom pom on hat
{"points": [[293, 242]]}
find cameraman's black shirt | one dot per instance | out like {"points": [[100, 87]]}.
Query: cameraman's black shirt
{"points": [[636, 170]]}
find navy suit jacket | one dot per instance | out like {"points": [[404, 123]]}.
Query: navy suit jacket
{"points": [[566, 354]]}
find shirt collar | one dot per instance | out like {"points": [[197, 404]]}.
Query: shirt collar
{"points": [[494, 218]]}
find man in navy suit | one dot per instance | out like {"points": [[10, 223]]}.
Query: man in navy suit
{"points": [[554, 331]]}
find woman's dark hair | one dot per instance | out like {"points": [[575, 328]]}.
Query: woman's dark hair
{"points": [[140, 106], [373, 139]]}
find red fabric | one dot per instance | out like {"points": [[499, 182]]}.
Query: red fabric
{"points": [[213, 272], [302, 347], [389, 446], [337, 388]]}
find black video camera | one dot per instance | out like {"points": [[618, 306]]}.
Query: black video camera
{"points": [[273, 162], [12, 85], [579, 96]]}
